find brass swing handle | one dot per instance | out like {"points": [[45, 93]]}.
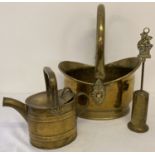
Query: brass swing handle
{"points": [[51, 87], [98, 92], [100, 34]]}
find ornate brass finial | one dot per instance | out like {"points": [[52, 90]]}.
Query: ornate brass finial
{"points": [[144, 44], [144, 47], [98, 91]]}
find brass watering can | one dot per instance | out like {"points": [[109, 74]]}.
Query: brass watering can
{"points": [[51, 115], [108, 88]]}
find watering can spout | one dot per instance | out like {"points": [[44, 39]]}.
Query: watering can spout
{"points": [[17, 105]]}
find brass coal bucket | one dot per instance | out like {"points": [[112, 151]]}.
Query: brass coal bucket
{"points": [[108, 88]]}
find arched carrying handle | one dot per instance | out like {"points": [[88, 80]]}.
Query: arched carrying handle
{"points": [[100, 34], [98, 92], [51, 87]]}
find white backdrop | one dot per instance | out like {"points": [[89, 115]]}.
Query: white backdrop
{"points": [[34, 35]]}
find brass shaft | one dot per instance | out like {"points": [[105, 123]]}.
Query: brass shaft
{"points": [[142, 75]]}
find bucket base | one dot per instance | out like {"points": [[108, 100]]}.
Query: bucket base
{"points": [[104, 115], [139, 130]]}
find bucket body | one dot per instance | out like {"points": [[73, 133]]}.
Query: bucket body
{"points": [[118, 88], [115, 104]]}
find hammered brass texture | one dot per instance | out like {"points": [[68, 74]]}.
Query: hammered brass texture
{"points": [[51, 115]]}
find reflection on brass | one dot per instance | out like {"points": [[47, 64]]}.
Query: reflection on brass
{"points": [[141, 97], [139, 111], [50, 115], [109, 88]]}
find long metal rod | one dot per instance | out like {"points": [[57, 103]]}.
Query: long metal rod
{"points": [[142, 75]]}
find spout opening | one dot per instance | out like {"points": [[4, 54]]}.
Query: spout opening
{"points": [[6, 101]]}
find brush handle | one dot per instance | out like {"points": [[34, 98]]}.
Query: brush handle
{"points": [[144, 47]]}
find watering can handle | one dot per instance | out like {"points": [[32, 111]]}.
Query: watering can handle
{"points": [[100, 33], [51, 87]]}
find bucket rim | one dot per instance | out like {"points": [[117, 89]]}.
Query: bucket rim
{"points": [[115, 63]]}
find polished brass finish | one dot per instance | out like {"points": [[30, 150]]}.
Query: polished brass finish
{"points": [[109, 88], [141, 97], [51, 115], [118, 84]]}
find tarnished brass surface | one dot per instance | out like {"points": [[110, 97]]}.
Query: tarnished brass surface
{"points": [[118, 84], [51, 115], [108, 88], [144, 44], [100, 34], [139, 111], [141, 97]]}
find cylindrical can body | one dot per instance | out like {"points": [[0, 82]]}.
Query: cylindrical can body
{"points": [[139, 111], [51, 131]]}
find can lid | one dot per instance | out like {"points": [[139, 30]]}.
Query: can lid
{"points": [[42, 101], [51, 98]]}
